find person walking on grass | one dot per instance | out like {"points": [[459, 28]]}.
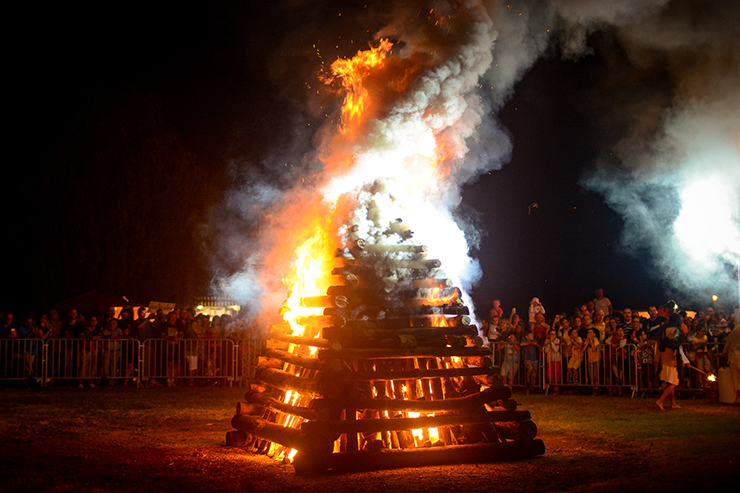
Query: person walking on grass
{"points": [[669, 371]]}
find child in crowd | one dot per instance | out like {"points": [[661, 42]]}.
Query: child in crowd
{"points": [[576, 356], [618, 359], [645, 356], [492, 331], [510, 364], [592, 358], [531, 361], [554, 357]]}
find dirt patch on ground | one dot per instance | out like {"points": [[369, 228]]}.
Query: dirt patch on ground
{"points": [[173, 440]]}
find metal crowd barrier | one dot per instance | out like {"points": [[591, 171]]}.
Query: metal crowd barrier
{"points": [[21, 359], [153, 362], [614, 368], [90, 362], [182, 362]]}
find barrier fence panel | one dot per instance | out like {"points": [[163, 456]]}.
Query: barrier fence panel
{"points": [[600, 367], [186, 361], [92, 361], [21, 359], [247, 356], [159, 362], [520, 367]]}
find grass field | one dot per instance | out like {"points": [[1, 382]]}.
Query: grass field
{"points": [[172, 439]]}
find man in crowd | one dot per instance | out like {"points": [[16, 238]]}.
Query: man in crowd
{"points": [[602, 303]]}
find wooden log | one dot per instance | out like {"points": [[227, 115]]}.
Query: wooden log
{"points": [[414, 264], [324, 301], [422, 310], [290, 437], [249, 408], [303, 412], [376, 425], [321, 320], [285, 380], [430, 293], [237, 438], [443, 352], [295, 359], [431, 283], [396, 248], [521, 431], [352, 333], [361, 272], [417, 457], [303, 341]]}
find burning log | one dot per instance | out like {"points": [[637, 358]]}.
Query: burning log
{"points": [[303, 341], [408, 374], [324, 301], [294, 359], [353, 333], [376, 425], [281, 379], [290, 437], [492, 394], [431, 283], [376, 353], [265, 401]]}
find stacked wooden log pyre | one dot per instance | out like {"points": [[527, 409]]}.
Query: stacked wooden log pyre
{"points": [[389, 374]]}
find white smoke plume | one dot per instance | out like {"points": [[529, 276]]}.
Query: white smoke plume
{"points": [[670, 161]]}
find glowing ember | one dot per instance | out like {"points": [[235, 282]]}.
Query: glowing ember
{"points": [[712, 378]]}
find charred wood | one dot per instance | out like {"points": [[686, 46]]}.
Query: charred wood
{"points": [[521, 431], [290, 437]]}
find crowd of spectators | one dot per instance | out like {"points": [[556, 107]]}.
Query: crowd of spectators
{"points": [[602, 348], [102, 352], [593, 346]]}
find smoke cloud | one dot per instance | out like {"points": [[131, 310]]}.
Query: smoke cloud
{"points": [[670, 163]]}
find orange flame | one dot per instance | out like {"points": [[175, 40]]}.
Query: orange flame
{"points": [[352, 72], [311, 277]]}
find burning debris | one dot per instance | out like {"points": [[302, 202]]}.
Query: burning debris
{"points": [[389, 372]]}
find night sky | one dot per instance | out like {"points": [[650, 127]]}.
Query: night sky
{"points": [[132, 125]]}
